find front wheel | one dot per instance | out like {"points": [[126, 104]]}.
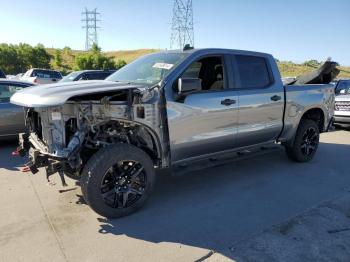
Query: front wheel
{"points": [[117, 180], [305, 142]]}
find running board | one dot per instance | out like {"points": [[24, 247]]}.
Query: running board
{"points": [[222, 159]]}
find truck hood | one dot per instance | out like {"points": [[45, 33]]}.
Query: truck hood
{"points": [[59, 93], [342, 98]]}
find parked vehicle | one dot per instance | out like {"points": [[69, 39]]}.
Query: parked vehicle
{"points": [[342, 102], [10, 76], [2, 74], [41, 76], [87, 75], [168, 109], [11, 116]]}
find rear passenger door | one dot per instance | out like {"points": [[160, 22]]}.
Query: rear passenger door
{"points": [[261, 100]]}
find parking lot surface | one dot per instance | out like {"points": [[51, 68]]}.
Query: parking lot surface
{"points": [[188, 218]]}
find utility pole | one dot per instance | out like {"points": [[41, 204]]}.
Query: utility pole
{"points": [[90, 25], [182, 31]]}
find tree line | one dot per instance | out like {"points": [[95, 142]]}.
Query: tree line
{"points": [[15, 59]]}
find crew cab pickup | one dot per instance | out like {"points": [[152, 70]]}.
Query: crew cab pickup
{"points": [[168, 109]]}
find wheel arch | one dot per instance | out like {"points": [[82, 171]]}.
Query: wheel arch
{"points": [[316, 114]]}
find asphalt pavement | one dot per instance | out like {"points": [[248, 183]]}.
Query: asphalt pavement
{"points": [[188, 218]]}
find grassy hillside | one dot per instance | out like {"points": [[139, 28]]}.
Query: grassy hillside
{"points": [[286, 68], [292, 69]]}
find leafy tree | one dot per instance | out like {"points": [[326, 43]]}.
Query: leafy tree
{"points": [[9, 60], [94, 59], [312, 63], [120, 63], [58, 58]]}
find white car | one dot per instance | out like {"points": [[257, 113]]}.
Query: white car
{"points": [[41, 76], [342, 102]]}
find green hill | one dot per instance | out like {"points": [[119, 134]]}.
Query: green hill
{"points": [[286, 68]]}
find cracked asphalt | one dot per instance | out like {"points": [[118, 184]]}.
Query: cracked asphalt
{"points": [[216, 214]]}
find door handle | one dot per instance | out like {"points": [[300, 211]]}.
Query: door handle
{"points": [[275, 98], [228, 102]]}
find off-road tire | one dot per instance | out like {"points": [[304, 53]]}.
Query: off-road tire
{"points": [[295, 150], [94, 172]]}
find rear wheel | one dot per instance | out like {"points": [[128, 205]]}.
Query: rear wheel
{"points": [[305, 143], [117, 180]]}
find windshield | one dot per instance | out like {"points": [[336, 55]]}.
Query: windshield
{"points": [[149, 69], [70, 77], [343, 88]]}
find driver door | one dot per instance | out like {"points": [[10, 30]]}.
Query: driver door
{"points": [[205, 121]]}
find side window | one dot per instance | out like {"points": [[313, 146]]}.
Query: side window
{"points": [[209, 70], [83, 77], [104, 75], [54, 74], [6, 91], [57, 75], [253, 71], [95, 76]]}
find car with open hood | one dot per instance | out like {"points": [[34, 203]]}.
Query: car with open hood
{"points": [[171, 109]]}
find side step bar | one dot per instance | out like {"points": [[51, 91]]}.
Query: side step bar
{"points": [[200, 164]]}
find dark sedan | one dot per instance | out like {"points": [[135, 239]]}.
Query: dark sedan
{"points": [[11, 116], [88, 75]]}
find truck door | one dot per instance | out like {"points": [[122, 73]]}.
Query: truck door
{"points": [[261, 100], [203, 121]]}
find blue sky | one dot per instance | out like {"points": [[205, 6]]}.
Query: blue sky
{"points": [[290, 30]]}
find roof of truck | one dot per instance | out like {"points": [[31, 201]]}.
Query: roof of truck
{"points": [[217, 50]]}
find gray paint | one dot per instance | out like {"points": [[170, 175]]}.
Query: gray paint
{"points": [[200, 126]]}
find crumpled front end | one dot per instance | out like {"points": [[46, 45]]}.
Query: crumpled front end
{"points": [[62, 138]]}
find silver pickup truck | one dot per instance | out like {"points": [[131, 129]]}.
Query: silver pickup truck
{"points": [[168, 109]]}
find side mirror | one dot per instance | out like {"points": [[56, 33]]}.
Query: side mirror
{"points": [[186, 85]]}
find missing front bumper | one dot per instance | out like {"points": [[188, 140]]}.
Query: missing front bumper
{"points": [[37, 159]]}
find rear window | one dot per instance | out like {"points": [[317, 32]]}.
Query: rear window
{"points": [[46, 74], [253, 71]]}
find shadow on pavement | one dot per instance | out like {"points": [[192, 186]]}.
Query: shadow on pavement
{"points": [[214, 208], [8, 161]]}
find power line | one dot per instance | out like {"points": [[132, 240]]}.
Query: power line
{"points": [[182, 31], [90, 25]]}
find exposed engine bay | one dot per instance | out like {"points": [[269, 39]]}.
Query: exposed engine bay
{"points": [[63, 138]]}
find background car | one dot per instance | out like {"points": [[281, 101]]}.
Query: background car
{"points": [[2, 74], [41, 76], [11, 116], [342, 87], [88, 75], [342, 103]]}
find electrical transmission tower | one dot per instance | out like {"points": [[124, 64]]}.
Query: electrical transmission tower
{"points": [[90, 25], [182, 24]]}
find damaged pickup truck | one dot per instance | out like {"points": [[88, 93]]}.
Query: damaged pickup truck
{"points": [[166, 110]]}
